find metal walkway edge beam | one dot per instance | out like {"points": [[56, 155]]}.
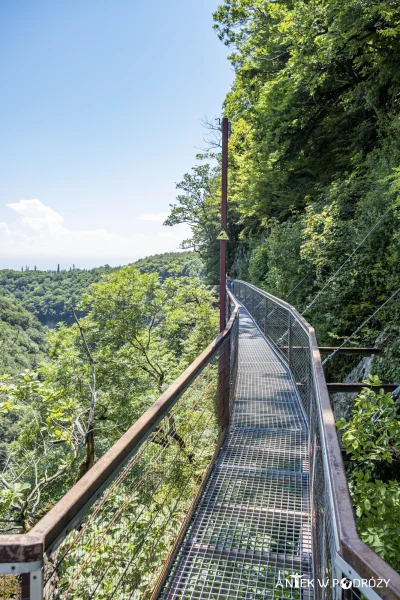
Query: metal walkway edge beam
{"points": [[351, 350]]}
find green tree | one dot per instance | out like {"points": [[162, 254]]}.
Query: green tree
{"points": [[313, 166], [102, 373], [199, 207]]}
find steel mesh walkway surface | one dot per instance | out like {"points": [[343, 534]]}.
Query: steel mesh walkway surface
{"points": [[250, 536]]}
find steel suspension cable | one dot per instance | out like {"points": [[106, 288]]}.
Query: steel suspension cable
{"points": [[296, 286], [346, 261], [361, 326]]}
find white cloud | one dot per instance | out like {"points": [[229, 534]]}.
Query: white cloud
{"points": [[40, 233], [37, 216], [159, 217]]}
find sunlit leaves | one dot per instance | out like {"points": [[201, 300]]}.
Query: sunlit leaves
{"points": [[142, 333]]}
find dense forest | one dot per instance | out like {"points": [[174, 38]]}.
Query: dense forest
{"points": [[50, 295], [22, 337], [182, 264], [139, 332], [314, 188], [33, 300]]}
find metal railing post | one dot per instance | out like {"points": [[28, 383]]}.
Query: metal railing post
{"points": [[26, 585], [32, 585], [265, 316], [224, 384], [36, 585], [289, 357]]}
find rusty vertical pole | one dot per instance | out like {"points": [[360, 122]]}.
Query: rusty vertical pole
{"points": [[224, 360], [222, 243]]}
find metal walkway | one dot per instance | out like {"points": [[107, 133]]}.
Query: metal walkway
{"points": [[250, 536]]}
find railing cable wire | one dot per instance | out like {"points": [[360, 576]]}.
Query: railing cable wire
{"points": [[345, 262], [361, 326]]}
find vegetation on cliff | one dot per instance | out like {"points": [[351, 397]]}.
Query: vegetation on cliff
{"points": [[314, 159], [314, 174]]}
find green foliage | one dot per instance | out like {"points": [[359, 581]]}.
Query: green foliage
{"points": [[378, 511], [179, 264], [374, 431], [199, 207], [50, 295], [22, 337], [372, 440], [313, 159], [140, 334], [387, 365], [314, 154]]}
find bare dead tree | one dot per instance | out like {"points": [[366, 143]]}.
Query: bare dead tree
{"points": [[26, 510], [213, 137]]}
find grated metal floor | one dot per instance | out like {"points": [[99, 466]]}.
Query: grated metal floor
{"points": [[250, 536]]}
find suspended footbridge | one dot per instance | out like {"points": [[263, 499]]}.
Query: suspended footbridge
{"points": [[230, 486]]}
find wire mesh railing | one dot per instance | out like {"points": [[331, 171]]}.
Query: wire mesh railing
{"points": [[251, 530], [112, 533], [343, 566]]}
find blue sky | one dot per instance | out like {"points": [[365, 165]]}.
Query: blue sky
{"points": [[100, 115]]}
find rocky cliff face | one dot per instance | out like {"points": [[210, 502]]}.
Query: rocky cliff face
{"points": [[342, 403]]}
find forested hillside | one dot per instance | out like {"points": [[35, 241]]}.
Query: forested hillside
{"points": [[31, 299], [314, 161], [50, 295], [181, 264], [22, 337]]}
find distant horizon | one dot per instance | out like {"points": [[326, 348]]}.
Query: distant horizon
{"points": [[115, 264]]}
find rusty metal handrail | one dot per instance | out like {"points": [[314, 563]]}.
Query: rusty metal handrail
{"points": [[26, 553], [354, 558]]}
